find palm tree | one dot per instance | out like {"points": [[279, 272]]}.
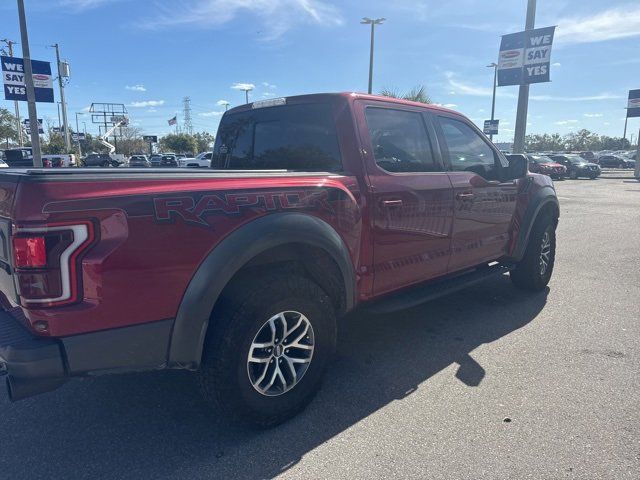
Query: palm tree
{"points": [[416, 94]]}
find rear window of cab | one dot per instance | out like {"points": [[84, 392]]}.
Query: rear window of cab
{"points": [[298, 137]]}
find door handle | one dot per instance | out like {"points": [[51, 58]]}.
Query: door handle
{"points": [[464, 196], [391, 203]]}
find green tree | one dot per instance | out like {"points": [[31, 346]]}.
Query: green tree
{"points": [[179, 143], [416, 94], [582, 140], [204, 141], [53, 144], [8, 131]]}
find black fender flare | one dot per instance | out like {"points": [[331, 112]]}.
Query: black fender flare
{"points": [[543, 197], [229, 256]]}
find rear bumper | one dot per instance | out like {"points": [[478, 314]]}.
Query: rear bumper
{"points": [[36, 365], [33, 365]]}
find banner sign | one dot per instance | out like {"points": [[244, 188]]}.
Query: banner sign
{"points": [[491, 127], [76, 137], [13, 79], [27, 126], [633, 106], [150, 138], [525, 57]]}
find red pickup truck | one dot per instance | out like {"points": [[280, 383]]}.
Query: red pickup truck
{"points": [[314, 205]]}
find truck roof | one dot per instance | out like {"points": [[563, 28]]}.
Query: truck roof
{"points": [[348, 96]]}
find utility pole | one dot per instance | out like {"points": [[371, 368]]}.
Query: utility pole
{"points": [[523, 94], [493, 100], [67, 137], [31, 94], [626, 118], [10, 45], [373, 23]]}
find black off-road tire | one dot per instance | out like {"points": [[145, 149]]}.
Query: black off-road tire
{"points": [[528, 274], [223, 375]]}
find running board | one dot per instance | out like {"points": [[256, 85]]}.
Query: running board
{"points": [[426, 292]]}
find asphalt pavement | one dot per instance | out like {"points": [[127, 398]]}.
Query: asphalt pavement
{"points": [[488, 383]]}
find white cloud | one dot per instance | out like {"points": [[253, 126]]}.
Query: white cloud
{"points": [[222, 103], [588, 98], [277, 16], [87, 108], [79, 5], [147, 103], [136, 88], [463, 88], [268, 85], [152, 110], [615, 23], [556, 64], [566, 122], [210, 114], [593, 115], [243, 86], [446, 105]]}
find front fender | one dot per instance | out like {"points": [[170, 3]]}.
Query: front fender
{"points": [[542, 198], [229, 256]]}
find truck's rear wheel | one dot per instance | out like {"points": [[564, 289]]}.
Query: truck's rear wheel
{"points": [[534, 271], [267, 350]]}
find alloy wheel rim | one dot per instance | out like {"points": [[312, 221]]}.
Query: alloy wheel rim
{"points": [[280, 353], [545, 253]]}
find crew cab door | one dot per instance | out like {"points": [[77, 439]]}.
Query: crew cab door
{"points": [[412, 200], [484, 205]]}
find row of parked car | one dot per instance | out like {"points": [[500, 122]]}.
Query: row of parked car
{"points": [[164, 160], [576, 165]]}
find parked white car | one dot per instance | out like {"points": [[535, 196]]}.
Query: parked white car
{"points": [[202, 160]]}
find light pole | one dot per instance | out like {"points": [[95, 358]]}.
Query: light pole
{"points": [[31, 94], [226, 105], [373, 23], [493, 100], [246, 89]]}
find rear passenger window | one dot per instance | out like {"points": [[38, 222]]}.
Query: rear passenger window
{"points": [[399, 140], [293, 137], [467, 150]]}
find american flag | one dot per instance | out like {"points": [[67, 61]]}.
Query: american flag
{"points": [[174, 120]]}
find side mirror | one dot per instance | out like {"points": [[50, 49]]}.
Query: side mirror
{"points": [[518, 166]]}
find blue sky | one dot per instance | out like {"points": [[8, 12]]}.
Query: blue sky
{"points": [[149, 54]]}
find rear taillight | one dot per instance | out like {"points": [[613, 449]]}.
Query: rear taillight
{"points": [[45, 261]]}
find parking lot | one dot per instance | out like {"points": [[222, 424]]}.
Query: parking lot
{"points": [[489, 382]]}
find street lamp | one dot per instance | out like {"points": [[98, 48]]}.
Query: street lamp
{"points": [[246, 89], [373, 23], [493, 100], [226, 104]]}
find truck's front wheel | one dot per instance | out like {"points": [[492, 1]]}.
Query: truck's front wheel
{"points": [[534, 271], [267, 350]]}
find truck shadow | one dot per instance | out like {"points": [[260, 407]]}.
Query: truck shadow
{"points": [[155, 425]]}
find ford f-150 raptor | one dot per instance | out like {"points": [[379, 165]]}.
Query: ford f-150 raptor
{"points": [[314, 205]]}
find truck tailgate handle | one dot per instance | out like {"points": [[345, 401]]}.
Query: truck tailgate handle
{"points": [[391, 203]]}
